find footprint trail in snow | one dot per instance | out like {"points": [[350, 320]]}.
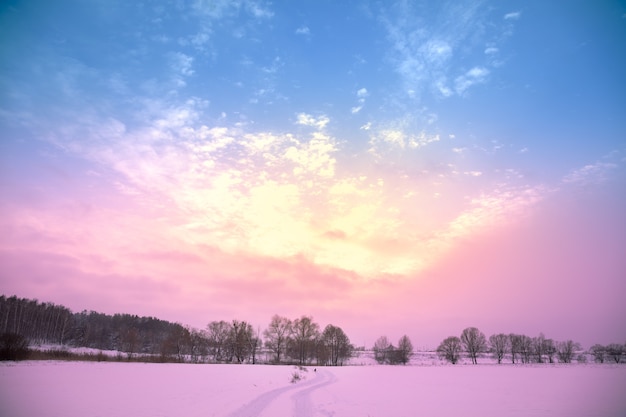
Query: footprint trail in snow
{"points": [[299, 402]]}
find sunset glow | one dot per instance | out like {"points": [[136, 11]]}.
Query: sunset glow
{"points": [[393, 169]]}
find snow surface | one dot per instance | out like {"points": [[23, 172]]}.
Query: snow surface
{"points": [[84, 389]]}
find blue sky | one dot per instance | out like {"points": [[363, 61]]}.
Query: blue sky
{"points": [[352, 144]]}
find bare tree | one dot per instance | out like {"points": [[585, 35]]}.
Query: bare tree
{"points": [[598, 352], [130, 341], [174, 345], [255, 343], [450, 349], [615, 351], [382, 349], [474, 342], [565, 351], [525, 348], [538, 346], [337, 345], [499, 345], [515, 342], [277, 334], [405, 349], [549, 349], [198, 345], [241, 333], [304, 333], [218, 333]]}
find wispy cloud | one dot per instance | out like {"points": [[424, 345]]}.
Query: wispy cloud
{"points": [[395, 138], [476, 75], [218, 9], [181, 65], [590, 174], [513, 15], [303, 30], [429, 54], [361, 94]]}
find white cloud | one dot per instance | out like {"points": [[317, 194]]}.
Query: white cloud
{"points": [[361, 95], [308, 120], [303, 30], [422, 139], [392, 137], [396, 138], [513, 16], [218, 9], [476, 75], [257, 10], [436, 51]]}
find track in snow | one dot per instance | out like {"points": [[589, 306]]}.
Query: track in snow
{"points": [[301, 398]]}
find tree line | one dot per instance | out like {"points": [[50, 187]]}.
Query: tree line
{"points": [[520, 348], [301, 341]]}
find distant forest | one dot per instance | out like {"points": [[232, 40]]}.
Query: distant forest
{"points": [[25, 322]]}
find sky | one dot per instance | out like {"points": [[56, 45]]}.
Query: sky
{"points": [[388, 167]]}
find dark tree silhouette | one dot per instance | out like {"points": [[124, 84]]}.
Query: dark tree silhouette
{"points": [[615, 352], [13, 347], [304, 334], [474, 342], [499, 345], [276, 336], [405, 350], [598, 352], [337, 345], [450, 349], [565, 350], [382, 349]]}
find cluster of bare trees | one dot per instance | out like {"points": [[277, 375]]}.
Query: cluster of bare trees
{"points": [[613, 352], [231, 342], [301, 341], [288, 341], [519, 348], [385, 352]]}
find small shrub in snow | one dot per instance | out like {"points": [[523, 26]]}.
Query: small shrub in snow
{"points": [[295, 377]]}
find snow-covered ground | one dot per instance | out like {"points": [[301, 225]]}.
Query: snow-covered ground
{"points": [[112, 389]]}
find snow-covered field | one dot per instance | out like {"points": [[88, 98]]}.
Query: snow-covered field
{"points": [[110, 389]]}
